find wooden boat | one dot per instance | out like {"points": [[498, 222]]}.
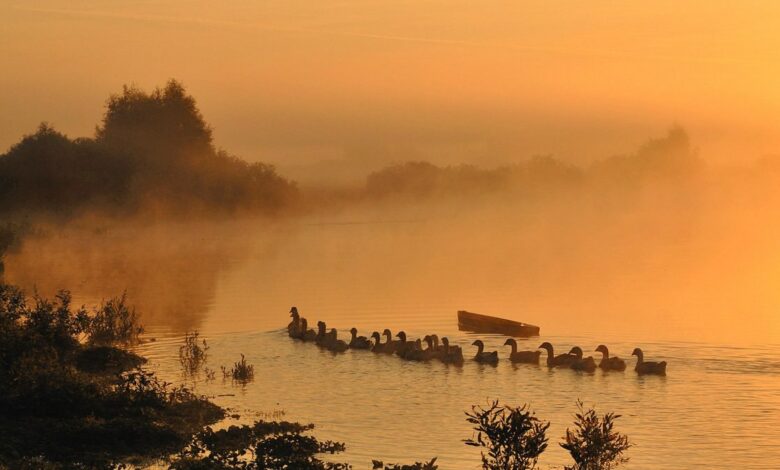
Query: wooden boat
{"points": [[468, 321]]}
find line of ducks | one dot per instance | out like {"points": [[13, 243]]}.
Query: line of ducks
{"points": [[452, 354]]}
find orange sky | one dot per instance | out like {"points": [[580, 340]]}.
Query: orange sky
{"points": [[293, 82]]}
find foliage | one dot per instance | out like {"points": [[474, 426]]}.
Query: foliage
{"points": [[60, 405], [594, 444], [114, 322], [241, 371], [152, 153], [429, 465], [513, 438], [192, 354], [264, 445]]}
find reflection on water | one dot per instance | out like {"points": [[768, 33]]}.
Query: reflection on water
{"points": [[688, 294]]}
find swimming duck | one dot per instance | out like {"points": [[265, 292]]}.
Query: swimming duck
{"points": [[294, 329], [322, 336], [562, 360], [306, 333], [358, 342], [334, 344], [526, 357], [610, 363], [378, 346], [484, 357], [417, 353], [402, 346], [390, 345], [451, 354], [433, 351], [642, 367], [587, 364]]}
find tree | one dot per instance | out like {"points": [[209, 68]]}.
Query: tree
{"points": [[513, 438], [594, 444]]}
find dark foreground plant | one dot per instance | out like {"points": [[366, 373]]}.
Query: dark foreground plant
{"points": [[429, 465], [193, 353], [262, 446], [242, 372], [114, 323], [594, 444], [511, 438], [78, 405]]}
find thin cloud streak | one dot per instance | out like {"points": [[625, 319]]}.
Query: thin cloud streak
{"points": [[381, 37]]}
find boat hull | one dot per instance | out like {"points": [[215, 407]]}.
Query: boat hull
{"points": [[478, 323]]}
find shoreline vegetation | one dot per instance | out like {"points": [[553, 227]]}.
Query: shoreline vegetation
{"points": [[75, 396]]}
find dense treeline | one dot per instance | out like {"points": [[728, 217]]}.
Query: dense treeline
{"points": [[153, 152]]}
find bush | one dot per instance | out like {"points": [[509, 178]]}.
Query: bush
{"points": [[513, 437], [192, 355], [241, 372], [57, 409], [594, 444], [114, 323], [262, 446]]}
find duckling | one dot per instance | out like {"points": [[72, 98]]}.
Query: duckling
{"points": [[526, 357], [417, 353], [562, 360], [390, 345], [306, 333], [484, 357], [610, 363], [378, 346], [358, 342], [642, 367], [402, 346], [451, 354], [334, 344], [322, 336], [433, 351], [586, 365], [294, 329]]}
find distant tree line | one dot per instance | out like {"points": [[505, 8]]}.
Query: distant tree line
{"points": [[669, 158], [152, 152]]}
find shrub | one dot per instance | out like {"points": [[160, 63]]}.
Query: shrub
{"points": [[594, 444], [513, 437], [429, 465], [242, 371], [114, 322], [262, 446], [192, 354]]}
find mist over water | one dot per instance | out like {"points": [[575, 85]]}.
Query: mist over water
{"points": [[683, 268]]}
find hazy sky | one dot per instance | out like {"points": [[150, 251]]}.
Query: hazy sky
{"points": [[294, 82]]}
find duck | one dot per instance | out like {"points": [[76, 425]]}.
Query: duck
{"points": [[322, 336], [294, 328], [484, 357], [451, 354], [390, 345], [433, 350], [648, 368], [378, 346], [587, 364], [334, 344], [306, 333], [358, 342], [402, 346], [526, 357], [557, 361], [417, 353], [610, 363]]}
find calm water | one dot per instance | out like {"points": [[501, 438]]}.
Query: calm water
{"points": [[718, 407]]}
